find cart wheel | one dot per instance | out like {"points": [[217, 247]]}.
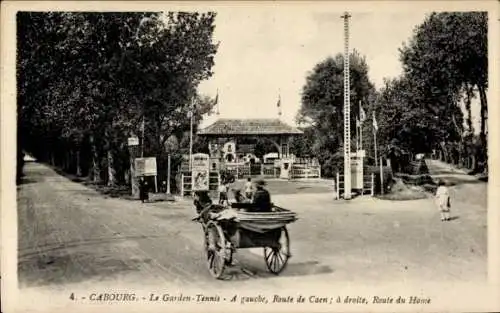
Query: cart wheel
{"points": [[277, 257], [215, 244]]}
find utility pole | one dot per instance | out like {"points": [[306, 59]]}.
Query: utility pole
{"points": [[347, 111]]}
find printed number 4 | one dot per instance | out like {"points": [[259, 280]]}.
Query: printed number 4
{"points": [[72, 296]]}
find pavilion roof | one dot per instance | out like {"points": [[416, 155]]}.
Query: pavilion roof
{"points": [[249, 127]]}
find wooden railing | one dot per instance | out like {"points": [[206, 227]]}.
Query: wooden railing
{"points": [[368, 185], [305, 171]]}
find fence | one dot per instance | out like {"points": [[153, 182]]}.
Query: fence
{"points": [[305, 171], [368, 185]]}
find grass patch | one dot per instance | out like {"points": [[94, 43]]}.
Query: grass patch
{"points": [[400, 191], [403, 196]]}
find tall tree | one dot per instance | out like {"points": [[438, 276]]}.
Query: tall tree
{"points": [[447, 55], [75, 81], [323, 101]]}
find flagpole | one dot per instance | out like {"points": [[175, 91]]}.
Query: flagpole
{"points": [[191, 135], [358, 121], [279, 104], [360, 127], [375, 139], [217, 102]]}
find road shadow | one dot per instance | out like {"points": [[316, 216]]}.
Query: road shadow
{"points": [[25, 181], [453, 218], [252, 267], [75, 267], [446, 172], [452, 181], [53, 248]]}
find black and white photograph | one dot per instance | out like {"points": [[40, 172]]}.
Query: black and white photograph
{"points": [[239, 156]]}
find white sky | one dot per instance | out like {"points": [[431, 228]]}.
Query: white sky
{"points": [[270, 52]]}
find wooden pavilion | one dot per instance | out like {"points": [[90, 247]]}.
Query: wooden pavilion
{"points": [[231, 149], [225, 134]]}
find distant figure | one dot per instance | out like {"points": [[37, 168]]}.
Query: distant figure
{"points": [[261, 197], [223, 189], [143, 189], [249, 188], [443, 200]]}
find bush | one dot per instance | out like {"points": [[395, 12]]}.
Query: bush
{"points": [[387, 177], [416, 180]]}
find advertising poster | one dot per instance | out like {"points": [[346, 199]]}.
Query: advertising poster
{"points": [[200, 171]]}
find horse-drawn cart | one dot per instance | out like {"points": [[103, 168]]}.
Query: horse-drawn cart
{"points": [[229, 229]]}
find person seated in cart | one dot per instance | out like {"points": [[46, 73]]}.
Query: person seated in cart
{"points": [[202, 203], [261, 198]]}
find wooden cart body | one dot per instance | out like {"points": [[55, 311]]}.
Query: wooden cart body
{"points": [[245, 228]]}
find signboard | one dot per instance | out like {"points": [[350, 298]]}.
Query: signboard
{"points": [[133, 141], [200, 171], [145, 167], [356, 172]]}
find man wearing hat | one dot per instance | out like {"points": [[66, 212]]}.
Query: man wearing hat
{"points": [[261, 197]]}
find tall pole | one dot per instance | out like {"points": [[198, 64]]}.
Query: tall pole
{"points": [[360, 128], [191, 114], [347, 112], [279, 103], [358, 123], [142, 136], [375, 144], [168, 174]]}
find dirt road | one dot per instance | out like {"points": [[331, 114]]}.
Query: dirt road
{"points": [[69, 235]]}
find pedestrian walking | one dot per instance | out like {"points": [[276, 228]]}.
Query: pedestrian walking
{"points": [[143, 189], [443, 201], [249, 188], [223, 189]]}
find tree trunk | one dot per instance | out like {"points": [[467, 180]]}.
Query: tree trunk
{"points": [[111, 169], [468, 100], [484, 108], [95, 170], [445, 152], [482, 133], [78, 165]]}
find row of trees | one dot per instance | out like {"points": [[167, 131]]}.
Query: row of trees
{"points": [[444, 64], [88, 81]]}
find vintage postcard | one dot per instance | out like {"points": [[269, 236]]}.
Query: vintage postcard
{"points": [[267, 156]]}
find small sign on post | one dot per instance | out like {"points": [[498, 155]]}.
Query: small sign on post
{"points": [[133, 141]]}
